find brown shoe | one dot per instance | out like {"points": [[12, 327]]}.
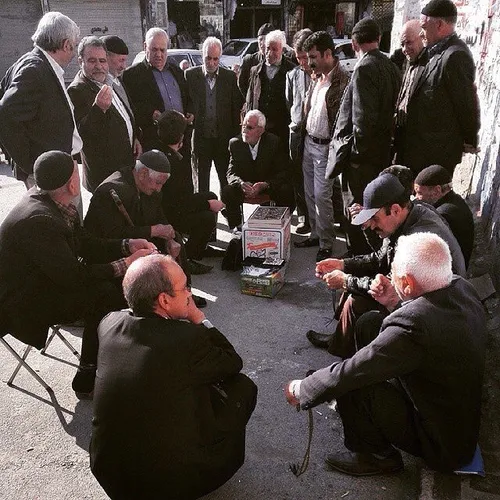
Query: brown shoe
{"points": [[365, 464]]}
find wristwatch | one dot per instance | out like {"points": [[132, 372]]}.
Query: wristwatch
{"points": [[207, 324]]}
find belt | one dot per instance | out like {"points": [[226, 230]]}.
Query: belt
{"points": [[317, 140]]}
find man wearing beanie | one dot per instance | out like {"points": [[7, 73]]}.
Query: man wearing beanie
{"points": [[50, 266], [105, 122], [434, 186], [443, 115], [361, 142]]}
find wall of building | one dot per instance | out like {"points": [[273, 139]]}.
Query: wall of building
{"points": [[478, 177]]}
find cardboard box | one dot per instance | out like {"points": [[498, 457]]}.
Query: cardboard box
{"points": [[264, 243], [262, 282]]}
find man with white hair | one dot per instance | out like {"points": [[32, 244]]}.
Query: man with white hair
{"points": [[267, 86], [33, 98], [217, 102], [154, 85], [257, 169], [415, 381]]}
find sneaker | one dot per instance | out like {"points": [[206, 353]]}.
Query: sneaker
{"points": [[83, 381], [200, 302], [196, 267]]}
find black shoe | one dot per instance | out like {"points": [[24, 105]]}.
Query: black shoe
{"points": [[83, 381], [365, 464], [303, 228], [321, 340], [307, 243], [199, 301], [196, 267], [213, 252], [323, 253]]}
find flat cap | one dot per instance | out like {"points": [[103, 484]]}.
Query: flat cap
{"points": [[440, 8], [52, 170], [383, 190], [265, 29], [115, 44], [367, 30], [155, 160], [435, 175]]}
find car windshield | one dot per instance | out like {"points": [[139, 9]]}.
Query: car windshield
{"points": [[234, 48], [197, 59]]}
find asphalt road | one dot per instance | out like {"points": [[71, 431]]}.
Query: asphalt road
{"points": [[44, 441]]}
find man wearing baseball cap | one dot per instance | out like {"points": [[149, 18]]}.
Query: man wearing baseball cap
{"points": [[54, 269], [434, 186], [388, 211]]}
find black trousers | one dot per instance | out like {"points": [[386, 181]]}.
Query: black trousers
{"points": [[296, 153], [380, 415], [210, 150]]}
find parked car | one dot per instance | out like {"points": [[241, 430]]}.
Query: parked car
{"points": [[175, 56], [236, 49], [345, 53]]}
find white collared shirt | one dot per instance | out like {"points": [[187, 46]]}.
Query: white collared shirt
{"points": [[211, 79], [317, 119], [120, 107], [254, 150], [77, 142]]}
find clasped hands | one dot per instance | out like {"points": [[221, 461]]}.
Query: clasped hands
{"points": [[331, 271], [251, 190]]}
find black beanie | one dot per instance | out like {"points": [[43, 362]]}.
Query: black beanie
{"points": [[53, 170]]}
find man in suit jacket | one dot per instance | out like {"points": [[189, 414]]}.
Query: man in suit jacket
{"points": [[36, 114], [442, 113], [154, 85], [41, 243], [415, 382], [104, 121], [170, 406], [257, 169], [216, 105], [361, 143]]}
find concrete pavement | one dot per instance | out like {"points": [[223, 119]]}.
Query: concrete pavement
{"points": [[43, 452]]}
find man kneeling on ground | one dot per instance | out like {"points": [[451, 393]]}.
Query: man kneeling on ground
{"points": [[170, 404], [415, 381]]}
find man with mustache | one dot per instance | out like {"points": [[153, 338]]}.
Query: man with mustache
{"points": [[388, 211], [105, 123]]}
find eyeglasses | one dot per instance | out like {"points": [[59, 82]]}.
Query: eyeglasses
{"points": [[249, 127], [186, 288]]}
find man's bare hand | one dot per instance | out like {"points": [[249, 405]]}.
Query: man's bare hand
{"points": [[383, 292], [137, 149], [354, 209], [335, 279], [156, 115], [259, 187], [469, 148], [290, 397], [173, 248], [104, 98], [139, 244], [165, 231], [194, 315], [216, 205], [189, 118], [247, 188], [327, 266], [138, 254]]}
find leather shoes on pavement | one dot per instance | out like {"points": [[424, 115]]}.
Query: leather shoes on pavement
{"points": [[365, 464], [200, 302], [307, 243], [196, 267], [303, 228], [323, 253], [317, 339], [211, 251]]}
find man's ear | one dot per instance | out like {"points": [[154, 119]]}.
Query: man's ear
{"points": [[163, 300], [409, 285]]}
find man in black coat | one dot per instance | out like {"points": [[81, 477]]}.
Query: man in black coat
{"points": [[434, 185], [154, 85], [41, 243], [388, 212], [257, 169], [361, 143], [217, 104], [36, 114], [105, 123], [170, 405], [414, 383], [443, 116]]}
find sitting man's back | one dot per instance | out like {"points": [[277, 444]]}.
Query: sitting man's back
{"points": [[170, 404]]}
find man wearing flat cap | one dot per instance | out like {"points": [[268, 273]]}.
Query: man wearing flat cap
{"points": [[117, 62], [388, 211], [105, 122], [128, 204], [442, 112], [434, 186], [53, 268], [361, 141]]}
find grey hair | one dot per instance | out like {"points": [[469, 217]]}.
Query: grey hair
{"points": [[153, 174], [261, 118], [427, 257], [144, 280], [53, 29], [90, 41], [211, 41], [152, 32], [276, 36]]}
